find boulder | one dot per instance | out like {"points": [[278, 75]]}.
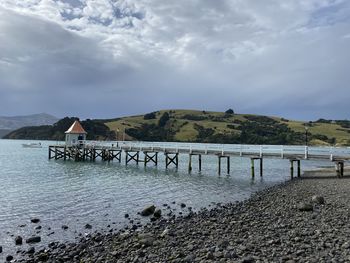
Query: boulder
{"points": [[148, 210], [302, 206], [88, 226], [317, 199], [31, 250], [9, 258], [18, 240], [35, 239], [157, 213]]}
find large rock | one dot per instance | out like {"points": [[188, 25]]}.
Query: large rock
{"points": [[157, 213], [148, 210], [18, 240], [302, 206], [35, 220], [35, 239], [317, 199]]}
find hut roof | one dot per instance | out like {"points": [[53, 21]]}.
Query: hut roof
{"points": [[76, 128]]}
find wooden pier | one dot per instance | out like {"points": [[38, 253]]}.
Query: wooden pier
{"points": [[257, 153]]}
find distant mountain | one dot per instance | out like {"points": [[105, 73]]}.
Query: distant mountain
{"points": [[3, 132], [16, 122], [96, 130]]}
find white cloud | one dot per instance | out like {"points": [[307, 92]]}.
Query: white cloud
{"points": [[265, 56]]}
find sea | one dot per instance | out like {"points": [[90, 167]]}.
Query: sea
{"points": [[67, 193]]}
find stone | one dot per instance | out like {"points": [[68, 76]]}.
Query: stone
{"points": [[183, 205], [126, 215], [18, 240], [35, 239], [317, 199], [305, 207], [157, 213], [0, 249], [88, 226], [9, 258], [31, 250], [35, 220], [248, 260], [64, 227], [148, 210]]}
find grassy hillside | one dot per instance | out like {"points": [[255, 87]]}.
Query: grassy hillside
{"points": [[201, 126], [192, 125]]}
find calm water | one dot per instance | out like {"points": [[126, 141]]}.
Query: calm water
{"points": [[73, 194]]}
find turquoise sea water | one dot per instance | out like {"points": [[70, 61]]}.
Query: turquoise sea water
{"points": [[73, 194]]}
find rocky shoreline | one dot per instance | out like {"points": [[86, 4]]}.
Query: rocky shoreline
{"points": [[304, 220]]}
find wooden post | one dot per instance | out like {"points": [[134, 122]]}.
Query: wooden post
{"points": [[219, 159], [49, 152], [252, 167], [65, 153], [156, 158], [126, 157], [299, 168], [228, 164], [342, 169], [55, 153], [261, 167], [291, 169], [200, 162], [189, 162]]}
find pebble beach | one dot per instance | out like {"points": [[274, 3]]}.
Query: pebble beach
{"points": [[303, 220]]}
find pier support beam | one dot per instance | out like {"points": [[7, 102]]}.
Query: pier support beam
{"points": [[171, 158], [190, 162], [149, 157], [292, 161], [340, 168], [227, 163], [252, 160], [132, 156]]}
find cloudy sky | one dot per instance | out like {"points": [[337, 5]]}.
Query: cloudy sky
{"points": [[108, 58]]}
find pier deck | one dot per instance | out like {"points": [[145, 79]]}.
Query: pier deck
{"points": [[90, 151]]}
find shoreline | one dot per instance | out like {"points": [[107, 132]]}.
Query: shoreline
{"points": [[270, 226]]}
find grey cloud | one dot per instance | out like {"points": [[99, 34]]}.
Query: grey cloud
{"points": [[282, 58]]}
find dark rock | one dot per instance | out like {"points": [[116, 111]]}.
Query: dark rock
{"points": [[35, 239], [0, 249], [64, 227], [9, 258], [248, 260], [31, 250], [183, 205], [88, 226], [126, 215], [157, 213], [18, 240], [148, 210], [39, 227], [302, 206], [317, 199], [35, 220]]}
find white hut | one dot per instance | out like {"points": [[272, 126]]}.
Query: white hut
{"points": [[75, 134]]}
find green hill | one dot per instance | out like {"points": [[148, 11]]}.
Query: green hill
{"points": [[203, 126]]}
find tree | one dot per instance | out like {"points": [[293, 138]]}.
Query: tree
{"points": [[229, 111], [149, 116], [164, 119]]}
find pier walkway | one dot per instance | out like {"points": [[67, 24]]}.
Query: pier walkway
{"points": [[109, 151]]}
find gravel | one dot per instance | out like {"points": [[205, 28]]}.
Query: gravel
{"points": [[268, 227]]}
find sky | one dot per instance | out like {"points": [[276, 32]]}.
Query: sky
{"points": [[112, 58]]}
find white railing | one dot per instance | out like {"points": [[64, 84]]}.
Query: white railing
{"points": [[239, 149]]}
